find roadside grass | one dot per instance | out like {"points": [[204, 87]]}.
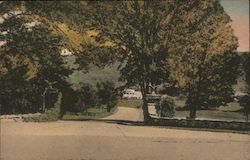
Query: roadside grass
{"points": [[94, 112], [230, 112], [131, 103], [230, 107], [100, 112], [213, 115]]}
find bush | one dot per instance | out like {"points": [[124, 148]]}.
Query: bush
{"points": [[165, 108], [53, 114], [245, 103], [107, 94], [81, 99]]}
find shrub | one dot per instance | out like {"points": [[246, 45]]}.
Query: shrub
{"points": [[107, 94], [245, 103], [53, 114], [165, 108], [82, 99]]}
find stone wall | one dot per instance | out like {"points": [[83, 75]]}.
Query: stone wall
{"points": [[233, 125]]}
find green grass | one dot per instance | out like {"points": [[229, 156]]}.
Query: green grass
{"points": [[131, 103], [230, 107], [89, 114], [216, 115], [230, 112]]}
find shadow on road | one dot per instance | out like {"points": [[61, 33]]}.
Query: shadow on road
{"points": [[113, 121]]}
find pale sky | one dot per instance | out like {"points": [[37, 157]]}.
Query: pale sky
{"points": [[238, 10]]}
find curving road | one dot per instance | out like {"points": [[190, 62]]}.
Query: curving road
{"points": [[128, 114]]}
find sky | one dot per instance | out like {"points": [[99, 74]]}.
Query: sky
{"points": [[238, 10]]}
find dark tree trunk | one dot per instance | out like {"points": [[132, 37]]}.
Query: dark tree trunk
{"points": [[192, 107], [146, 115], [108, 108], [192, 114]]}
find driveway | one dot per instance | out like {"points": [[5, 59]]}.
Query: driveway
{"points": [[127, 114]]}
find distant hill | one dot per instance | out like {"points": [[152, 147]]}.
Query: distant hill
{"points": [[93, 75]]}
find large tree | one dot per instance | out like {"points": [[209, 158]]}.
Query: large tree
{"points": [[137, 32], [203, 56], [195, 34], [29, 58]]}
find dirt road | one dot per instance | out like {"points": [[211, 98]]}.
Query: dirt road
{"points": [[107, 140], [125, 113]]}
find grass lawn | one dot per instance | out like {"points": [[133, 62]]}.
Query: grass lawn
{"points": [[225, 113], [131, 103], [91, 113], [230, 107], [216, 115], [96, 112], [230, 112]]}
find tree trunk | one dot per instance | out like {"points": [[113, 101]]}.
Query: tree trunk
{"points": [[146, 115], [192, 107], [192, 114], [108, 108]]}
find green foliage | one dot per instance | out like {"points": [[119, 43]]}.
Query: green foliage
{"points": [[165, 108], [191, 41], [30, 56], [213, 115], [107, 94], [137, 33], [245, 102], [93, 112], [203, 58], [131, 103], [88, 96], [95, 75], [53, 114]]}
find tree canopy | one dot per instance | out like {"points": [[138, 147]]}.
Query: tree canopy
{"points": [[189, 42], [30, 55], [203, 58]]}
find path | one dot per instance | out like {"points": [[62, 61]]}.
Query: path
{"points": [[125, 113]]}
